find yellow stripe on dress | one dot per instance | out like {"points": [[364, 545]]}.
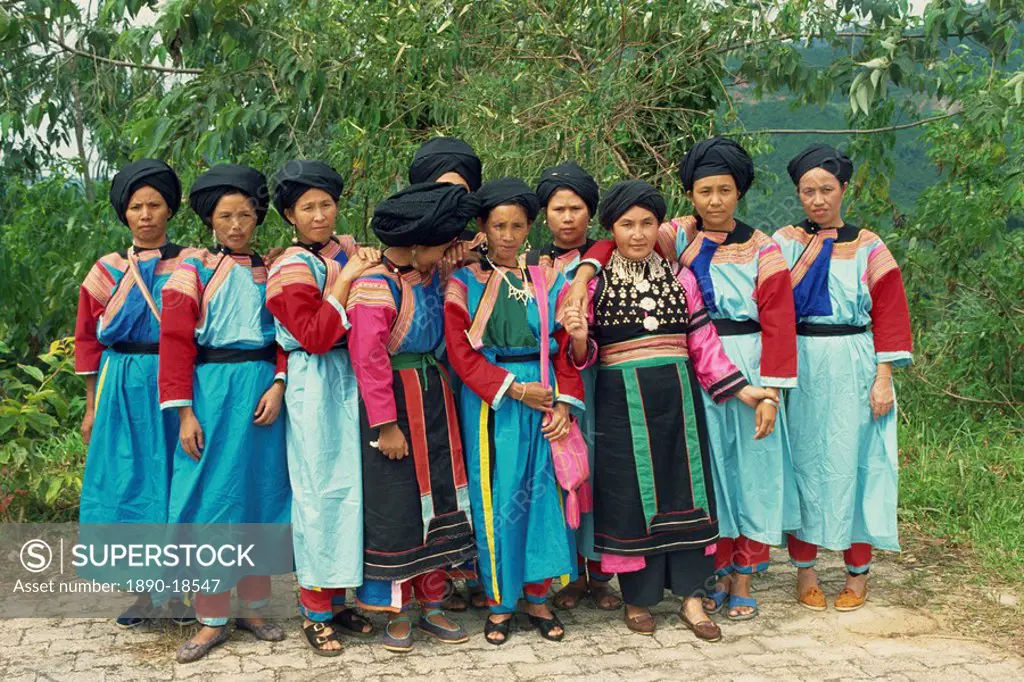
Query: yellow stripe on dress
{"points": [[485, 494], [99, 385]]}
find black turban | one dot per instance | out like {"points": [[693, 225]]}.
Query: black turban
{"points": [[717, 156], [568, 176], [427, 213], [625, 195], [297, 177], [495, 193], [144, 173], [446, 155], [228, 178], [821, 156]]}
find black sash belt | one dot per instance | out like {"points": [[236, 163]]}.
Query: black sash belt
{"points": [[809, 329], [728, 327], [532, 357], [129, 348], [206, 355]]}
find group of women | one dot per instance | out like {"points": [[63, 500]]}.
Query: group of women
{"points": [[398, 406]]}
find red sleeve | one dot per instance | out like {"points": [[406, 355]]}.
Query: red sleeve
{"points": [[294, 299], [778, 318], [92, 300], [601, 252], [371, 309], [177, 347], [567, 376], [281, 365], [890, 316], [488, 381]]}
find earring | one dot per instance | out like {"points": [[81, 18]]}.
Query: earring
{"points": [[295, 235]]}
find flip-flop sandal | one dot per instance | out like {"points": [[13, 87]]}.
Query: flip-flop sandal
{"points": [[719, 597], [569, 597], [599, 590], [736, 601], [644, 624], [190, 652], [399, 645], [443, 634], [316, 640], [351, 623], [546, 625], [504, 628]]}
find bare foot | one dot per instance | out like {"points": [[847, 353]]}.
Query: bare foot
{"points": [[330, 645], [806, 578], [723, 585], [400, 630], [693, 608]]}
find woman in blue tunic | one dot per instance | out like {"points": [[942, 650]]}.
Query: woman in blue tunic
{"points": [[306, 292], [492, 335], [223, 373], [128, 467], [853, 327]]}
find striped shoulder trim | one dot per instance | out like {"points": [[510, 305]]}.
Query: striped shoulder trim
{"points": [[371, 291], [770, 260], [792, 233], [457, 294]]}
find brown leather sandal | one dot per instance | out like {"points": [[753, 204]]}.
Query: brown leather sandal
{"points": [[706, 630], [602, 592], [570, 596], [643, 624], [813, 599]]}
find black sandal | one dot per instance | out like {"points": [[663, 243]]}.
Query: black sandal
{"points": [[546, 625], [352, 623], [504, 628], [317, 641]]}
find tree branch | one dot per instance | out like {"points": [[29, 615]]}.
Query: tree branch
{"points": [[851, 131], [118, 62]]}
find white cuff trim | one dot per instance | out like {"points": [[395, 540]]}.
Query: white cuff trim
{"points": [[168, 404], [341, 310], [499, 397], [778, 382]]}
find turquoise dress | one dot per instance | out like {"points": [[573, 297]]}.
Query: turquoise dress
{"points": [[846, 461], [322, 425], [522, 537]]}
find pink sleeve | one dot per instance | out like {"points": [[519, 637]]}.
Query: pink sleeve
{"points": [[372, 317], [715, 371]]}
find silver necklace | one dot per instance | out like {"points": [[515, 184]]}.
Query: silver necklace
{"points": [[635, 273], [522, 295]]}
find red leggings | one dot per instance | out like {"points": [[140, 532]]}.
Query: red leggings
{"points": [[585, 567], [535, 593], [742, 555], [213, 609], [805, 555]]}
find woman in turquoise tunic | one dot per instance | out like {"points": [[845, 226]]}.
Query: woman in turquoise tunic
{"points": [[306, 293], [853, 327], [492, 334], [128, 468], [223, 373]]}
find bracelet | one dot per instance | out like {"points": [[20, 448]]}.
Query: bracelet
{"points": [[522, 395], [771, 401]]}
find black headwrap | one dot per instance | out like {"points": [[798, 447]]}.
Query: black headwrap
{"points": [[446, 155], [494, 193], [228, 178], [625, 195], [427, 213], [821, 156], [717, 156], [568, 176], [295, 178], [144, 173]]}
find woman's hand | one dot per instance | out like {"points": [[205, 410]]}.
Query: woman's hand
{"points": [[364, 259], [882, 398], [269, 406], [578, 295], [454, 255], [391, 442], [556, 426], [87, 421], [190, 434], [752, 395], [575, 322], [765, 415], [533, 395]]}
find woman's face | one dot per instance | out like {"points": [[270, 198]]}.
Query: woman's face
{"points": [[506, 229], [568, 218], [425, 258], [821, 194], [234, 221], [313, 216], [635, 232], [715, 198], [147, 217], [454, 178]]}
